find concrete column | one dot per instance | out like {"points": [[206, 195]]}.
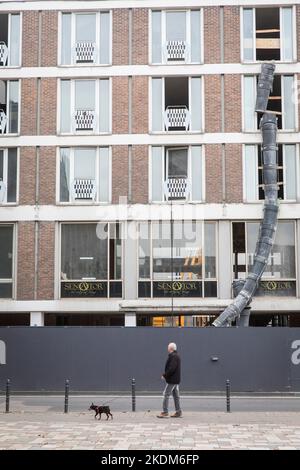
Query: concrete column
{"points": [[130, 319], [224, 259], [130, 260], [37, 319]]}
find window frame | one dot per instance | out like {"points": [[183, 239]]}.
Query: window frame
{"points": [[108, 280], [8, 81], [12, 280], [189, 199], [5, 171], [72, 106], [203, 278], [10, 14], [73, 37], [294, 39], [97, 179], [187, 12]]}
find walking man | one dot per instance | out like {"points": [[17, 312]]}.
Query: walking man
{"points": [[172, 378]]}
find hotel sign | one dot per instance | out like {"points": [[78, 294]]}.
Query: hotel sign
{"points": [[276, 288], [84, 289], [177, 289]]}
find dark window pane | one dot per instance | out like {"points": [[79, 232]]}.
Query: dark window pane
{"points": [[115, 289], [144, 289], [5, 291], [12, 175], [210, 289], [6, 247]]}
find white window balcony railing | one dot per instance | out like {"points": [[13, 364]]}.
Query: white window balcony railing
{"points": [[85, 120], [84, 189], [3, 53], [85, 52], [175, 51], [3, 121], [177, 117], [177, 187]]}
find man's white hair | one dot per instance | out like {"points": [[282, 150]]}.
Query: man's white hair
{"points": [[173, 346]]}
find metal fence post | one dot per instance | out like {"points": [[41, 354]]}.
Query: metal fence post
{"points": [[67, 389], [228, 396], [7, 401], [133, 394]]}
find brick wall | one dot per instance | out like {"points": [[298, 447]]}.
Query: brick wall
{"points": [[47, 175], [49, 38], [25, 261], [140, 174], [212, 93], [30, 39], [46, 264], [140, 123], [28, 106], [233, 111], [28, 175], [234, 173], [48, 106], [213, 173], [120, 54], [140, 36], [119, 172], [211, 23], [232, 34], [120, 105]]}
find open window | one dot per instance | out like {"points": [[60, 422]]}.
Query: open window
{"points": [[176, 36], [281, 102], [8, 175], [85, 38], [176, 174], [9, 106], [85, 106], [286, 173], [85, 174], [268, 34], [10, 40], [177, 104]]}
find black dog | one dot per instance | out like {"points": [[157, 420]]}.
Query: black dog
{"points": [[101, 409]]}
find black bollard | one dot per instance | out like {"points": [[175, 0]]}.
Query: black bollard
{"points": [[228, 396], [133, 394], [67, 388], [7, 402]]}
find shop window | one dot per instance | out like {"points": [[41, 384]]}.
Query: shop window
{"points": [[10, 40], [85, 38], [268, 34], [177, 259], [279, 277], [85, 174], [176, 104], [91, 260]]}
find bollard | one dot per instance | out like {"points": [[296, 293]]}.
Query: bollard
{"points": [[133, 394], [228, 396], [7, 402], [67, 389]]}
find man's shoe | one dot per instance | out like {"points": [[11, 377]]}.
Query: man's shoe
{"points": [[178, 414], [163, 415]]}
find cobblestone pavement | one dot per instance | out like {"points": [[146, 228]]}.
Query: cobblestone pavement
{"points": [[144, 431]]}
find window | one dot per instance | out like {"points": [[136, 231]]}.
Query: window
{"points": [[10, 49], [85, 106], [281, 102], [85, 174], [91, 260], [85, 38], [279, 277], [6, 260], [9, 106], [176, 36], [177, 259], [286, 174], [176, 174], [177, 104], [268, 34], [8, 175]]}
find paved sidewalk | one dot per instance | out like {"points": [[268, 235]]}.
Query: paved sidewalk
{"points": [[142, 430]]}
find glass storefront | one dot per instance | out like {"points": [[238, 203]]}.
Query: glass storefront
{"points": [[91, 260], [177, 259], [176, 320]]}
